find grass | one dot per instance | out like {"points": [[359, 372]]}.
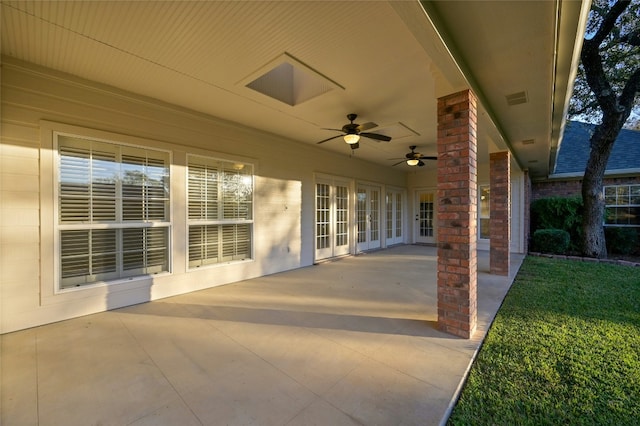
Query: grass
{"points": [[564, 349]]}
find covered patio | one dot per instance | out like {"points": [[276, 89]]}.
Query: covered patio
{"points": [[347, 342]]}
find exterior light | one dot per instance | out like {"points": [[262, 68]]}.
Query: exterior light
{"points": [[413, 162], [351, 138]]}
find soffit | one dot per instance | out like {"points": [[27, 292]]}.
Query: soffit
{"points": [[388, 62]]}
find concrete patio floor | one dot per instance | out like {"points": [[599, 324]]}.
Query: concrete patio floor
{"points": [[350, 342]]}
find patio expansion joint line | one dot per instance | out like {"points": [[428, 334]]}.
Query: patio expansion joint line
{"points": [[159, 369], [318, 396]]}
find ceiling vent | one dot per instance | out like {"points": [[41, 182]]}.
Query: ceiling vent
{"points": [[517, 98], [528, 142], [289, 81]]}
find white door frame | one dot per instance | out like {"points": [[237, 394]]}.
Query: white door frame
{"points": [[395, 205], [332, 222], [425, 216], [368, 217]]}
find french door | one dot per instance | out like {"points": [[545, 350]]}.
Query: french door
{"points": [[394, 222], [425, 231], [332, 219], [368, 217]]}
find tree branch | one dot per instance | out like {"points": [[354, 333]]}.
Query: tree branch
{"points": [[630, 91], [609, 21], [592, 62]]}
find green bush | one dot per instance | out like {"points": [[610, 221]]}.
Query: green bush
{"points": [[621, 240], [559, 213], [555, 241]]}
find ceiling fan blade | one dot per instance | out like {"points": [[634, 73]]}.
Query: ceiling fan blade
{"points": [[399, 162], [326, 128], [398, 158], [420, 163], [366, 126], [425, 157], [375, 136], [328, 139]]}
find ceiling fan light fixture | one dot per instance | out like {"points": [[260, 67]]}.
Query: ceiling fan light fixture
{"points": [[413, 161], [351, 139]]}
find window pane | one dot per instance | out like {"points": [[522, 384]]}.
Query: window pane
{"points": [[622, 193], [87, 256], [634, 216], [132, 248], [485, 198], [485, 212], [196, 189], [203, 245], [635, 195], [104, 177], [103, 251], [156, 250], [145, 186], [610, 195], [74, 189], [485, 228], [74, 253], [145, 250], [342, 216], [322, 216], [237, 194], [236, 242], [133, 178]]}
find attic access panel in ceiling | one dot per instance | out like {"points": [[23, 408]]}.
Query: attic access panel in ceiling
{"points": [[289, 81]]}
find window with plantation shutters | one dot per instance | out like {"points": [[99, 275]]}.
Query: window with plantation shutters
{"points": [[113, 211], [220, 211]]}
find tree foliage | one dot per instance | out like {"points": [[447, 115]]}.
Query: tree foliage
{"points": [[619, 51]]}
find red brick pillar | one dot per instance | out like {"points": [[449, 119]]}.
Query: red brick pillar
{"points": [[457, 214], [500, 212]]}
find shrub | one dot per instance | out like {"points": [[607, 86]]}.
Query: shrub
{"points": [[559, 213], [621, 240], [555, 241]]}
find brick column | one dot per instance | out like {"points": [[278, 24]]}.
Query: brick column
{"points": [[500, 212], [457, 214]]}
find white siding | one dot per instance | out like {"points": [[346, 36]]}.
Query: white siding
{"points": [[36, 101]]}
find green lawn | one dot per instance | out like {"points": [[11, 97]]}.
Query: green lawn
{"points": [[564, 349]]}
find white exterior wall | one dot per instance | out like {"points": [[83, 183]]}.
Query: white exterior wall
{"points": [[35, 102]]}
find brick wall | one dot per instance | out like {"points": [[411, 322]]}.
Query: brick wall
{"points": [[571, 187]]}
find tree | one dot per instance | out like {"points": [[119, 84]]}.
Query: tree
{"points": [[606, 90]]}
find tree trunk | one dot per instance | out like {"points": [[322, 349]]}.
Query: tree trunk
{"points": [[602, 141]]}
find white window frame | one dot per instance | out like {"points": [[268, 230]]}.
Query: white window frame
{"points": [[218, 221], [119, 225], [627, 200]]}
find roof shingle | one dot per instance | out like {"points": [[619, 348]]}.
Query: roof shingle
{"points": [[574, 149]]}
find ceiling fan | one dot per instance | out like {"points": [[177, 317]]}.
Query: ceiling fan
{"points": [[414, 158], [353, 131]]}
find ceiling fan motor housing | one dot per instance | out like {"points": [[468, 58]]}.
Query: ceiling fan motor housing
{"points": [[350, 129]]}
